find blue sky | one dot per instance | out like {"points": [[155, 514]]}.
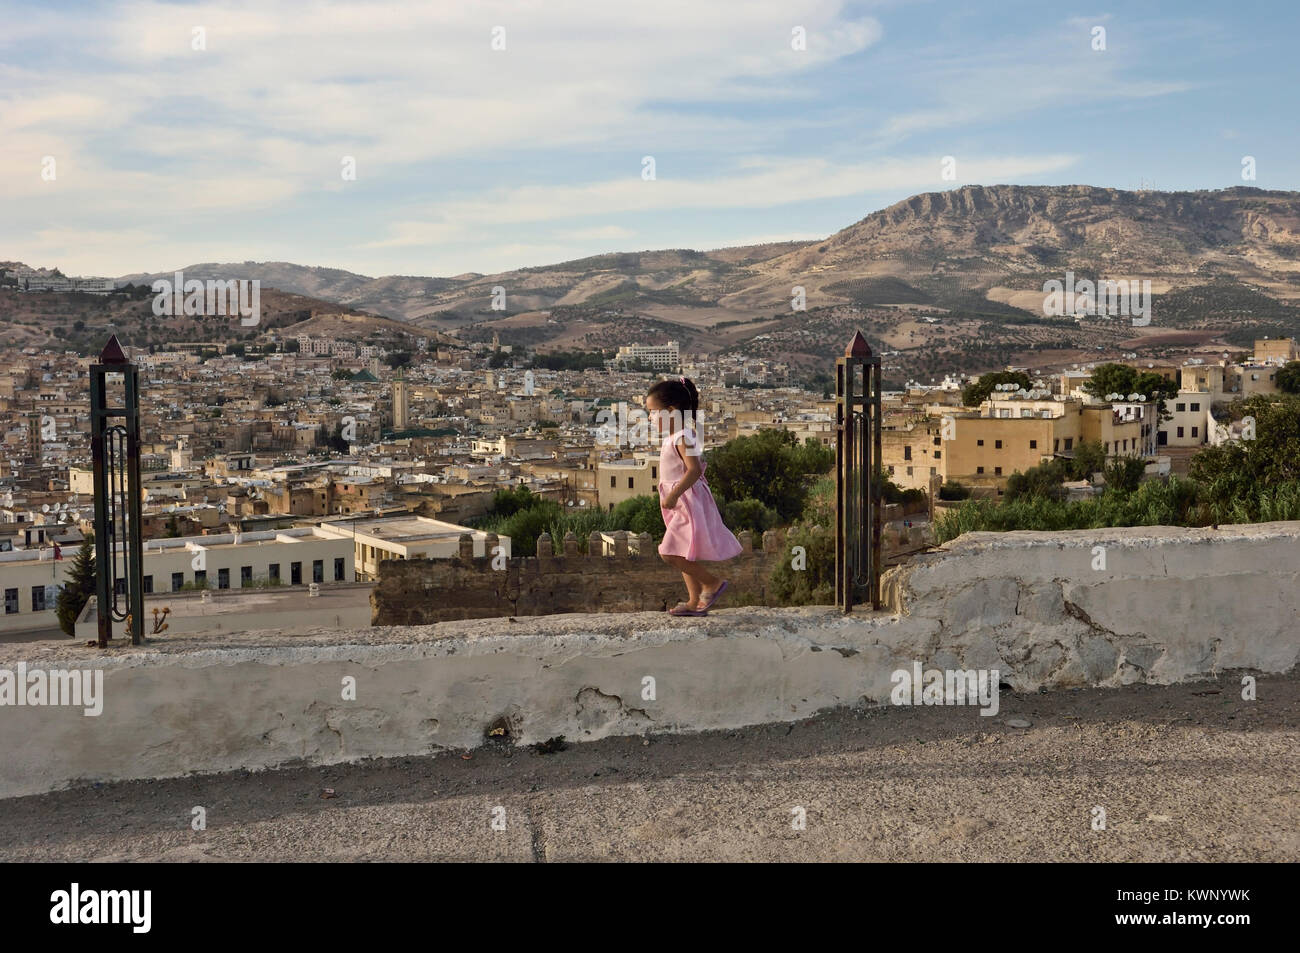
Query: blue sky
{"points": [[470, 158]]}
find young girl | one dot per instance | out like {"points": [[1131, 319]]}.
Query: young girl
{"points": [[693, 526]]}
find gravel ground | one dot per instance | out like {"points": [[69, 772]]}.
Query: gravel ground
{"points": [[1184, 773]]}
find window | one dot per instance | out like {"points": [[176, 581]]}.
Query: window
{"points": [[245, 576], [938, 454], [1056, 445], [936, 441], [148, 584], [318, 570], [1033, 445], [932, 471], [201, 578], [1196, 431], [979, 469], [1180, 407], [654, 472], [38, 598], [891, 469], [295, 574], [1195, 407], [979, 443], [909, 471], [1069, 443], [223, 578], [273, 572], [907, 452], [1180, 431], [340, 566], [11, 602], [629, 482], [613, 482], [997, 444], [178, 581], [997, 471], [1107, 446]]}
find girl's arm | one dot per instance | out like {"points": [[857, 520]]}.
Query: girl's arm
{"points": [[693, 470]]}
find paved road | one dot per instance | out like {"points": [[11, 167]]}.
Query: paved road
{"points": [[1182, 774]]}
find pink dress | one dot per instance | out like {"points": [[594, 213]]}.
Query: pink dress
{"points": [[694, 527]]}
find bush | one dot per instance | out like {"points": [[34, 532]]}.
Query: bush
{"points": [[749, 515], [640, 514], [768, 467], [954, 491], [814, 584], [1124, 474]]}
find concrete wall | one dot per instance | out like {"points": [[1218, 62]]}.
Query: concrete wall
{"points": [[1170, 605]]}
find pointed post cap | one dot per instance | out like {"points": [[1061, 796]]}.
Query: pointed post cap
{"points": [[858, 347], [113, 353]]}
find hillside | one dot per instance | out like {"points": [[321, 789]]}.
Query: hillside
{"points": [[1224, 267]]}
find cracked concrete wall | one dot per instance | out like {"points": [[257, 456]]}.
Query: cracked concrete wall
{"points": [[1109, 607], [1169, 605]]}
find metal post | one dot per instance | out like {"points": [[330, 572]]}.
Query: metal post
{"points": [[115, 452], [857, 491], [103, 543]]}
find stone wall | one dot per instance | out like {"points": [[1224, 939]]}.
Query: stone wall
{"points": [[633, 578]]}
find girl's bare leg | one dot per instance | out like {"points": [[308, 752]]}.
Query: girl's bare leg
{"points": [[703, 579], [692, 589]]}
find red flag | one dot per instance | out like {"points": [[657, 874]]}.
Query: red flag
{"points": [[58, 551]]}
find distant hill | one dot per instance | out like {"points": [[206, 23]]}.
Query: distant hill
{"points": [[1224, 266]]}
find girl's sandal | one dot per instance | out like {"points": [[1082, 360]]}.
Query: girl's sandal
{"points": [[722, 587], [683, 609]]}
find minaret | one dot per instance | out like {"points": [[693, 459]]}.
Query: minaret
{"points": [[401, 400]]}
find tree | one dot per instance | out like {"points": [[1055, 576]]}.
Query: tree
{"points": [[748, 514], [975, 394], [509, 502], [1240, 469], [767, 467], [1288, 378], [1124, 474], [77, 589], [640, 514], [1123, 379], [1089, 458]]}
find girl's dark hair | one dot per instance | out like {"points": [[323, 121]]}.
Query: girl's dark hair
{"points": [[678, 393]]}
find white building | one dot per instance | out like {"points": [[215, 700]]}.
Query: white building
{"points": [[662, 357], [30, 579]]}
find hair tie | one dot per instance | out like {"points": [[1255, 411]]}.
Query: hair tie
{"points": [[683, 380]]}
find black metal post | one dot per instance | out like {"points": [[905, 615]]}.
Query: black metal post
{"points": [[115, 452], [857, 490]]}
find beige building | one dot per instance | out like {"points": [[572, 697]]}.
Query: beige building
{"points": [[1276, 351], [619, 480], [1189, 426]]}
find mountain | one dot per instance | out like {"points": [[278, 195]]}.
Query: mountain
{"points": [[1224, 266]]}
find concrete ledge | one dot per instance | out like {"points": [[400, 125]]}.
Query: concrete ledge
{"points": [[1170, 605]]}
